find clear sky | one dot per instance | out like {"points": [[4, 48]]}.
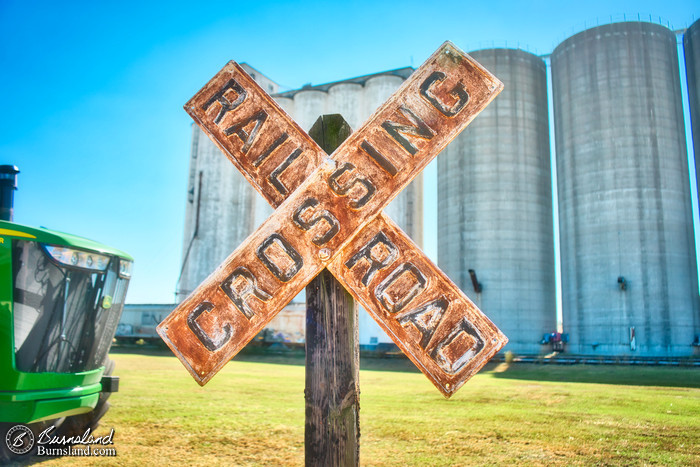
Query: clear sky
{"points": [[92, 91]]}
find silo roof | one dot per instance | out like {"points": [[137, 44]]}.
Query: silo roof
{"points": [[400, 72]]}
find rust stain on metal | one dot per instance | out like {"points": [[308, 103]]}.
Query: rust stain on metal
{"points": [[417, 305], [261, 140], [322, 204]]}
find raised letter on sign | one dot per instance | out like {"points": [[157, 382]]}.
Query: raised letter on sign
{"points": [[270, 149], [214, 343], [425, 318], [396, 301], [343, 190], [461, 345], [377, 256], [274, 176], [250, 288], [419, 130], [458, 91], [288, 254], [379, 158], [239, 129], [226, 105], [323, 215]]}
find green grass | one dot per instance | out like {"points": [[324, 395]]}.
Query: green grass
{"points": [[252, 413]]}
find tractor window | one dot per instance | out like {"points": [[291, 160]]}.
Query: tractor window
{"points": [[64, 317]]}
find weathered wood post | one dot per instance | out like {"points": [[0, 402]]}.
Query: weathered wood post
{"points": [[332, 427]]}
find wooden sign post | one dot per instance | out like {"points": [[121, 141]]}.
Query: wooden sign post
{"points": [[332, 392], [328, 215]]}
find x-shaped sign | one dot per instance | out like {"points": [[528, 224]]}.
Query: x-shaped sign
{"points": [[328, 214]]}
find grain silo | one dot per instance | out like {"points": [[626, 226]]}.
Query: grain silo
{"points": [[219, 214], [222, 208], [407, 208], [691, 46], [356, 99], [629, 280], [495, 235]]}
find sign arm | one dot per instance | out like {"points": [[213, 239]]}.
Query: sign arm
{"points": [[331, 208]]}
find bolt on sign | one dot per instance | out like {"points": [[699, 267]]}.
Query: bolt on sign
{"points": [[328, 215]]}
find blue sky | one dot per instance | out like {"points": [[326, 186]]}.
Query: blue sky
{"points": [[92, 91]]}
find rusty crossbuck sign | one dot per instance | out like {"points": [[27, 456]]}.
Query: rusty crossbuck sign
{"points": [[328, 215]]}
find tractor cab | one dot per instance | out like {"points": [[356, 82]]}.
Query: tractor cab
{"points": [[61, 298]]}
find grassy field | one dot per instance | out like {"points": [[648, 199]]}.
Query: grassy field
{"points": [[252, 413]]}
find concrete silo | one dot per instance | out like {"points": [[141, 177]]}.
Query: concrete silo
{"points": [[356, 99], [495, 234], [222, 208], [309, 104], [220, 212], [407, 208], [347, 100], [287, 104], [629, 279], [691, 46]]}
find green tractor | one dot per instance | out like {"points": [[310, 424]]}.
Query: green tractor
{"points": [[61, 298]]}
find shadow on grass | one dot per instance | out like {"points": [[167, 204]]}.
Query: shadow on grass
{"points": [[629, 375], [289, 356]]}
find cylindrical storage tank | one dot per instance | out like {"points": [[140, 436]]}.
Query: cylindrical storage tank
{"points": [[495, 231], [407, 208], [262, 209], [356, 101], [308, 106], [219, 213], [691, 46], [346, 99], [629, 278], [287, 104], [378, 89]]}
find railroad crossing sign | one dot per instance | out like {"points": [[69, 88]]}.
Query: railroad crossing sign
{"points": [[328, 215]]}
